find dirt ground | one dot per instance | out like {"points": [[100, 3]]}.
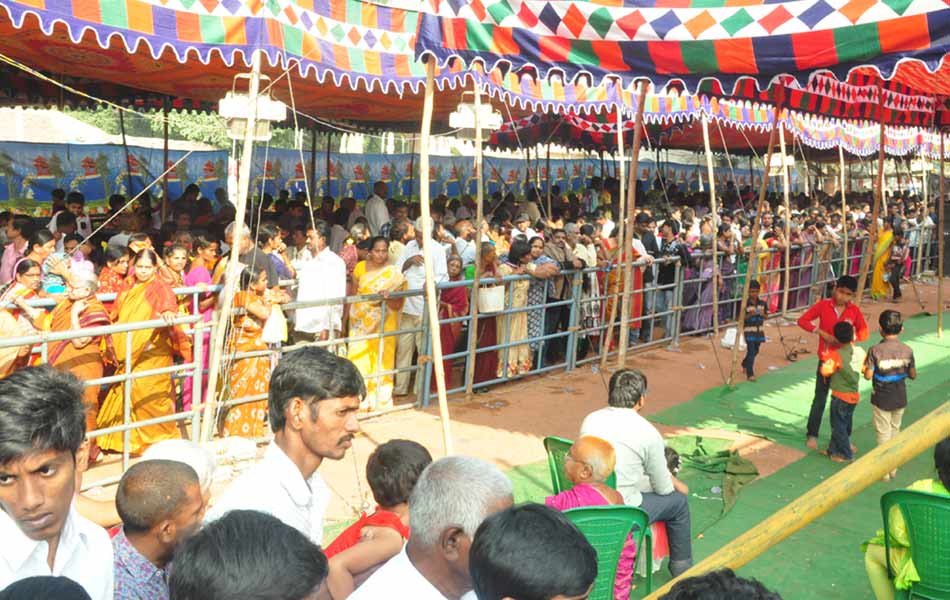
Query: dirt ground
{"points": [[506, 425]]}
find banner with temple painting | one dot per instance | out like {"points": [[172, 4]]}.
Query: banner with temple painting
{"points": [[30, 172]]}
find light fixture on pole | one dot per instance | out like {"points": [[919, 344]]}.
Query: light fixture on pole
{"points": [[463, 117], [235, 107]]}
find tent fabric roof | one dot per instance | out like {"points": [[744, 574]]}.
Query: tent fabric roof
{"points": [[690, 40]]}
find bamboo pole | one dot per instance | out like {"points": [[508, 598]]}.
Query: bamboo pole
{"points": [[313, 164], [432, 299], [608, 337], [234, 266], [479, 208], [125, 146], [329, 189], [753, 250], [925, 169], [547, 182], [627, 248], [844, 209], [164, 212], [938, 234], [715, 242], [843, 485], [876, 209], [786, 192]]}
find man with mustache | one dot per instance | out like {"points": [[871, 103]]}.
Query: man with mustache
{"points": [[312, 405], [42, 425]]}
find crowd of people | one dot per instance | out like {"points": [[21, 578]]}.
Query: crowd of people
{"points": [[374, 252], [442, 529]]}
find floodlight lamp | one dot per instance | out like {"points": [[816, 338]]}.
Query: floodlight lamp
{"points": [[236, 106], [464, 116]]}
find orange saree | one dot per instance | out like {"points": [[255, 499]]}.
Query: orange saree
{"points": [[152, 396], [249, 376]]}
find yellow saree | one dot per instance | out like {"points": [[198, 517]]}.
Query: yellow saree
{"points": [[882, 253], [366, 318]]}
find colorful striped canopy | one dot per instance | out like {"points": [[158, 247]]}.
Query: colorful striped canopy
{"points": [[692, 40]]}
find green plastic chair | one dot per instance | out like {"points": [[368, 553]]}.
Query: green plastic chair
{"points": [[928, 529], [556, 449], [607, 528]]}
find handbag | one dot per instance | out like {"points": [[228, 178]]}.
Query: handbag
{"points": [[491, 299], [275, 328]]}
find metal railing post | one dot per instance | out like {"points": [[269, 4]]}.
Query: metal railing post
{"points": [[197, 398], [127, 402], [676, 318], [424, 371], [573, 325]]}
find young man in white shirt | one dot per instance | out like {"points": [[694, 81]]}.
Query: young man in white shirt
{"points": [[377, 214], [75, 202], [451, 499], [643, 478], [42, 428], [312, 404], [322, 277], [522, 228]]}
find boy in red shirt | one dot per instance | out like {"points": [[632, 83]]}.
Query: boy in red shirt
{"points": [[828, 313]]}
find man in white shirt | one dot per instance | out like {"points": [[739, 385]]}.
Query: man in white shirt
{"points": [[376, 212], [643, 478], [322, 277], [312, 404], [465, 241], [412, 266], [43, 425], [75, 202], [451, 499], [522, 228]]}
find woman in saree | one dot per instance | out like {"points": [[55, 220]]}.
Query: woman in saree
{"points": [[453, 302], [83, 356], [728, 248], [537, 289], [199, 275], [20, 319], [375, 276], [148, 297], [112, 277], [513, 327], [771, 267], [614, 284], [880, 288], [486, 362], [249, 376]]}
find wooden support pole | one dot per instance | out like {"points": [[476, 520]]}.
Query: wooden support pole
{"points": [[754, 249], [165, 103], [313, 164], [479, 216], [128, 163], [920, 437], [786, 192], [713, 211], [234, 266], [547, 182], [876, 209], [329, 190], [938, 235], [925, 171], [627, 248], [432, 298], [844, 209], [608, 336]]}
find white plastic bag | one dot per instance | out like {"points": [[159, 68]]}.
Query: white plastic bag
{"points": [[729, 340], [491, 299], [275, 328]]}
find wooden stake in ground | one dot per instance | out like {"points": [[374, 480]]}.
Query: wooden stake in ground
{"points": [[234, 266], [876, 210], [479, 208], [627, 249], [787, 273], [754, 249], [432, 298], [715, 242], [920, 437], [925, 168]]}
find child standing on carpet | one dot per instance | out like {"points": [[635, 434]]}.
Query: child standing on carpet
{"points": [[843, 366], [889, 364], [392, 471], [755, 312]]}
